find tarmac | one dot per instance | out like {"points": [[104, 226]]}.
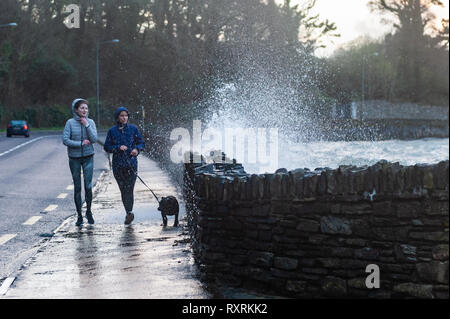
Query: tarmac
{"points": [[110, 260]]}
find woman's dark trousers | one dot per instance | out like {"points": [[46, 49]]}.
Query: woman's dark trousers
{"points": [[87, 165], [126, 178]]}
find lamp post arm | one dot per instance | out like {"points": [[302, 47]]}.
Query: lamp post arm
{"points": [[13, 24]]}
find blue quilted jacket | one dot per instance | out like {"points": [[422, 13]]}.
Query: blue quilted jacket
{"points": [[129, 136], [74, 133]]}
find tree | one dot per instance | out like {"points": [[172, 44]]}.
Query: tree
{"points": [[170, 51], [410, 41], [442, 34]]}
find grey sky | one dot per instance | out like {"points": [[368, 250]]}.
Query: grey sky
{"points": [[353, 19]]}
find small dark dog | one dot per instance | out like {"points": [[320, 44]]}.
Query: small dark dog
{"points": [[169, 207]]}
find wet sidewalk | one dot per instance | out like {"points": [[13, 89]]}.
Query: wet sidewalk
{"points": [[113, 260]]}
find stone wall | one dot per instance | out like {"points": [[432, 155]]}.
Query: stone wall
{"points": [[387, 129], [380, 109], [381, 120], [311, 234]]}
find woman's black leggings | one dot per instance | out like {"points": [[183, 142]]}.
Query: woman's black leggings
{"points": [[126, 178]]}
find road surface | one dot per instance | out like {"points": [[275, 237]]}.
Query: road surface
{"points": [[36, 193], [104, 260]]}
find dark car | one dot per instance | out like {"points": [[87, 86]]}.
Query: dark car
{"points": [[18, 128]]}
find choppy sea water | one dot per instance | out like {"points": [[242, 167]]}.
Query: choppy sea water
{"points": [[323, 154], [251, 104], [358, 153]]}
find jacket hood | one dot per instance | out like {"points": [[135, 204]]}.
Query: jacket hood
{"points": [[120, 109], [75, 115]]}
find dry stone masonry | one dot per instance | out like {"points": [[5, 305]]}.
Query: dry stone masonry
{"points": [[311, 234]]}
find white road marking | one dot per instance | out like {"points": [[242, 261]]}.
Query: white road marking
{"points": [[6, 237], [62, 195], [32, 220], [21, 145], [50, 208], [6, 284], [69, 188]]}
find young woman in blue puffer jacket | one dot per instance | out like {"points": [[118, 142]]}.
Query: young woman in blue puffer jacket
{"points": [[80, 135], [125, 142]]}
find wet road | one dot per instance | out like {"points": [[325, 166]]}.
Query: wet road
{"points": [[35, 193], [112, 260], [8, 143]]}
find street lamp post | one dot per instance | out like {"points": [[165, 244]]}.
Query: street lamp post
{"points": [[98, 78], [12, 24], [363, 75]]}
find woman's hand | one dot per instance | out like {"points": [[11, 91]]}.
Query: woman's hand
{"points": [[86, 142], [123, 148], [134, 152], [83, 121]]}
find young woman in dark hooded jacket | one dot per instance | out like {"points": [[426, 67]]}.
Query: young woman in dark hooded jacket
{"points": [[125, 142]]}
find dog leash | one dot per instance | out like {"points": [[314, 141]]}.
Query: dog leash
{"points": [[135, 173]]}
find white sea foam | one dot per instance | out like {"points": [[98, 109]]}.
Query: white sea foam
{"points": [[333, 154]]}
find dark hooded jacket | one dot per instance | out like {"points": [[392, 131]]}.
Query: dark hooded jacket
{"points": [[127, 135]]}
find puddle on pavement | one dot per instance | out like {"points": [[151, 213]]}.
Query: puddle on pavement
{"points": [[50, 272], [170, 229], [46, 235], [157, 239], [131, 268], [82, 233], [182, 241]]}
